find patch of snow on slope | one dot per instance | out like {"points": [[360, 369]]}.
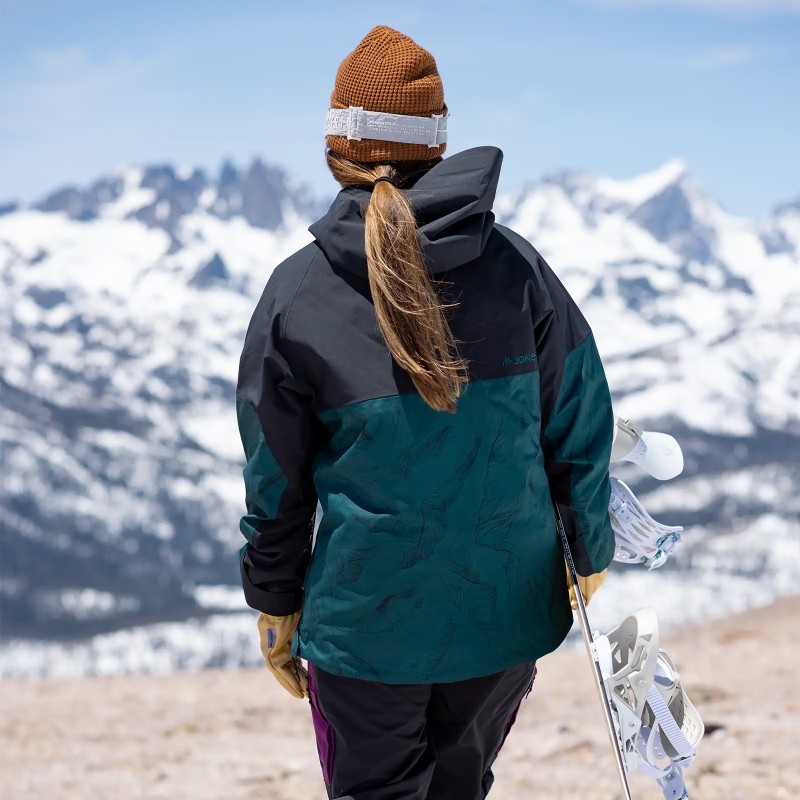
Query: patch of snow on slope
{"points": [[635, 191]]}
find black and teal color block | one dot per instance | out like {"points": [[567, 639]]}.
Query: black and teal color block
{"points": [[436, 557]]}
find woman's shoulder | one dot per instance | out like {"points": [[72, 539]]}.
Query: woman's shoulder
{"points": [[549, 291], [281, 288], [523, 246], [288, 275]]}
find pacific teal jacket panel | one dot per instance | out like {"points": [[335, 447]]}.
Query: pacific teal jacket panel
{"points": [[264, 480], [578, 440], [437, 532]]}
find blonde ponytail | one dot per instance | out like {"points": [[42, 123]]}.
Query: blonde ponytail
{"points": [[408, 310]]}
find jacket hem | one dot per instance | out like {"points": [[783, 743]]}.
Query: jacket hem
{"points": [[459, 672]]}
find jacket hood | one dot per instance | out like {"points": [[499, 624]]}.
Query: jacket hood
{"points": [[453, 205]]}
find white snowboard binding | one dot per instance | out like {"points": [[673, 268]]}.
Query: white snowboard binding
{"points": [[658, 727], [639, 538], [657, 453], [651, 724]]}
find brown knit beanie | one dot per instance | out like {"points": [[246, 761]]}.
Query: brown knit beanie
{"points": [[391, 73]]}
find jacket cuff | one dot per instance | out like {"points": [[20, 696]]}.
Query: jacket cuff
{"points": [[279, 604]]}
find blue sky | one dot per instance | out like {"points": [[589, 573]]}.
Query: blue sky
{"points": [[610, 86]]}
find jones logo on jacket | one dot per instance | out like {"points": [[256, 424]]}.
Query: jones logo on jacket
{"points": [[524, 358]]}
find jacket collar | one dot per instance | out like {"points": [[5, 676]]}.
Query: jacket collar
{"points": [[453, 205]]}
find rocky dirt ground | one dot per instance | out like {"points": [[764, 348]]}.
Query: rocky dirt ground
{"points": [[233, 735]]}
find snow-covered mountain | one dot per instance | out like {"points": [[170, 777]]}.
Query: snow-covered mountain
{"points": [[122, 312], [697, 311]]}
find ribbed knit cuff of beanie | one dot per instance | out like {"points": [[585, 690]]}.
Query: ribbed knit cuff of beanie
{"points": [[388, 72]]}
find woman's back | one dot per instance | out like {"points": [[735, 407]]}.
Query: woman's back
{"points": [[436, 558]]}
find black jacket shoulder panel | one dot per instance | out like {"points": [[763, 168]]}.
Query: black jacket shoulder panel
{"points": [[267, 330], [284, 283], [554, 299]]}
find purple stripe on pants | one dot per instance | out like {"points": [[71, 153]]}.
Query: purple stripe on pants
{"points": [[513, 716], [323, 731]]}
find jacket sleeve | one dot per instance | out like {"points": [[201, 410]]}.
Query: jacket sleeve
{"points": [[281, 435], [577, 426]]}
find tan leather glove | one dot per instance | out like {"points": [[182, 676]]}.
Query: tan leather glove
{"points": [[588, 586], [276, 647]]}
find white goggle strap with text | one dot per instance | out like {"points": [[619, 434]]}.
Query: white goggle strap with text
{"points": [[357, 123]]}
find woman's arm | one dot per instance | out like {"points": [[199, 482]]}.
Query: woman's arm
{"points": [[577, 423], [281, 435], [577, 426]]}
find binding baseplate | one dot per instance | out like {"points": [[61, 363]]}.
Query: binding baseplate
{"points": [[658, 727]]}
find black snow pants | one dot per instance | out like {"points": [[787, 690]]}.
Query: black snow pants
{"points": [[419, 741]]}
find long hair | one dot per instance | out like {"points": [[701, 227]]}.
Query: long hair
{"points": [[409, 313]]}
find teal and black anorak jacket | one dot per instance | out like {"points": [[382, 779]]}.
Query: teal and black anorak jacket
{"points": [[436, 557]]}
